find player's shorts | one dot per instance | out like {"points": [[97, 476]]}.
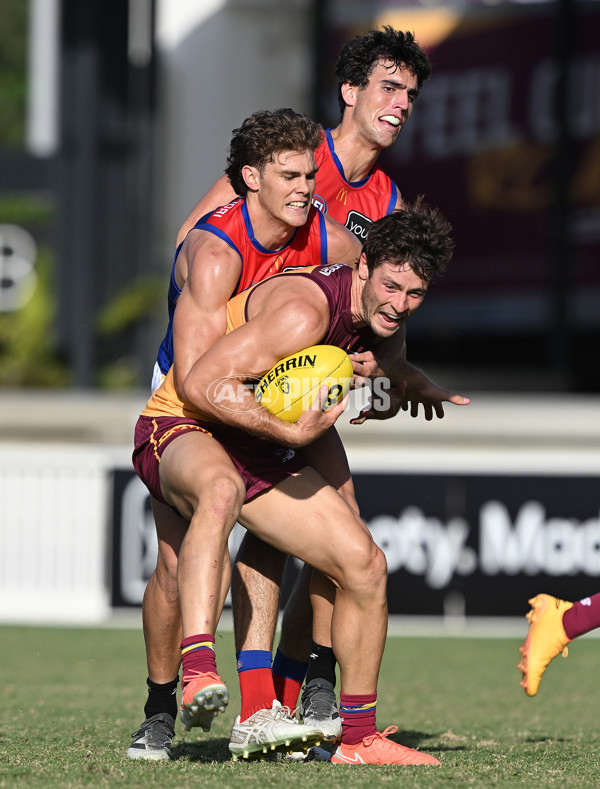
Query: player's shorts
{"points": [[260, 464]]}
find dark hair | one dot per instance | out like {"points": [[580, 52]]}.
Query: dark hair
{"points": [[417, 234], [359, 56], [264, 134]]}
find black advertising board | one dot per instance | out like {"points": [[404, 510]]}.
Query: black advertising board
{"points": [[481, 545], [133, 539], [467, 544]]}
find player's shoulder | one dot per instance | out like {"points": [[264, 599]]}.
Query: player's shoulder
{"points": [[342, 242], [225, 226], [333, 271], [302, 301], [315, 224], [229, 209], [379, 174], [221, 235], [322, 150]]}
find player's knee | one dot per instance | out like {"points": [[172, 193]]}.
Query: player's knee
{"points": [[365, 569], [166, 564], [227, 490], [378, 568], [374, 572], [169, 588], [166, 574]]}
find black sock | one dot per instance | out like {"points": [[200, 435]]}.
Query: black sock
{"points": [[162, 698], [321, 663]]}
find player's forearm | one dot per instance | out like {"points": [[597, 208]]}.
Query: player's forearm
{"points": [[227, 400], [401, 371], [391, 357]]}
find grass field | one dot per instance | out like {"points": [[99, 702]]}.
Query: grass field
{"points": [[71, 697]]}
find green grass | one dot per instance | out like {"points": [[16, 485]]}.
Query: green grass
{"points": [[71, 697]]}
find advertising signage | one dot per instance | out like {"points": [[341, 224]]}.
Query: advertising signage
{"points": [[461, 544], [483, 544]]}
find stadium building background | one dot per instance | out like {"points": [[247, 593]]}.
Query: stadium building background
{"points": [[129, 110]]}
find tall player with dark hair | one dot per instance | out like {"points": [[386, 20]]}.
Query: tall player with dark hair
{"points": [[380, 75]]}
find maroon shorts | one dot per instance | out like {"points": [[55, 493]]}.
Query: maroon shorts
{"points": [[260, 464]]}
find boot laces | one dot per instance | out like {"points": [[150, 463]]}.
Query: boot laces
{"points": [[381, 734]]}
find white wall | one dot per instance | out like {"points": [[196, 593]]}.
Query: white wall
{"points": [[219, 61], [54, 536]]}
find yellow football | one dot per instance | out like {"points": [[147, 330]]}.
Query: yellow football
{"points": [[293, 384]]}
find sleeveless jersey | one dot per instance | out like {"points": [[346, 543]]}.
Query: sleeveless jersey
{"points": [[231, 223], [357, 204], [335, 282]]}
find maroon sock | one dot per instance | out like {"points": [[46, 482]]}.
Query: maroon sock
{"points": [[358, 717], [197, 655], [583, 617]]}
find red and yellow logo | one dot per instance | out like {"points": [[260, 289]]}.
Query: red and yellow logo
{"points": [[277, 264], [342, 195]]}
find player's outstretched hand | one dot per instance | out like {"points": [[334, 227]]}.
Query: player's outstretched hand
{"points": [[422, 392]]}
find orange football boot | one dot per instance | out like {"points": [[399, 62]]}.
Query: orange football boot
{"points": [[545, 640], [204, 696], [377, 749]]}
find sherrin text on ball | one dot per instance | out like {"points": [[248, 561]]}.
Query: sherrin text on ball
{"points": [[293, 384]]}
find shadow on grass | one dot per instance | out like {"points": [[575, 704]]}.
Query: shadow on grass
{"points": [[418, 739], [214, 750]]}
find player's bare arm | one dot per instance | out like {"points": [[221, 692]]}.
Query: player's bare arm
{"points": [[422, 391], [220, 193], [342, 245], [279, 326], [410, 390], [410, 387], [210, 269]]}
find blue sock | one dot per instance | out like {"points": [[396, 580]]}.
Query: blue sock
{"points": [[253, 658], [288, 667]]}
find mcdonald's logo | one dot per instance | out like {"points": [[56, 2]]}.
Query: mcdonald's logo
{"points": [[276, 265], [342, 195]]}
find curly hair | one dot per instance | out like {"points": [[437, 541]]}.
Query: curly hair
{"points": [[359, 56], [264, 134], [417, 234]]}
